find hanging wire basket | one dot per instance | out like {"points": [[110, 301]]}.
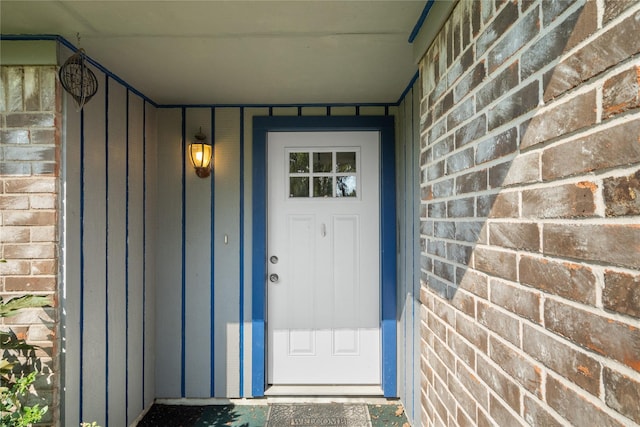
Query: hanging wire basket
{"points": [[78, 79]]}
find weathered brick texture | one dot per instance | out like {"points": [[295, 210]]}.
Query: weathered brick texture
{"points": [[530, 131], [29, 165]]}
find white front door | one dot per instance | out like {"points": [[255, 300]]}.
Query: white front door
{"points": [[323, 295]]}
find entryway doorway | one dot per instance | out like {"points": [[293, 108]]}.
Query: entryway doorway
{"points": [[323, 287], [333, 235]]}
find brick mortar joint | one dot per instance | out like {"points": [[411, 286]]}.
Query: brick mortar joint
{"points": [[596, 82], [604, 361], [600, 286], [620, 18], [585, 87], [555, 24], [596, 177], [597, 401], [596, 311]]}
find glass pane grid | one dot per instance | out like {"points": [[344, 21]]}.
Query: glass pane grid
{"points": [[299, 162], [323, 162], [323, 174]]}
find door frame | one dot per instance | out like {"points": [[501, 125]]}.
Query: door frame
{"points": [[383, 124]]}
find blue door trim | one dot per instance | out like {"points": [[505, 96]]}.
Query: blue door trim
{"points": [[383, 124]]}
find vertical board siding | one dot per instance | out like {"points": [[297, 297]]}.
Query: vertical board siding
{"points": [[415, 239], [93, 247], [183, 252], [168, 268], [107, 314], [138, 199], [105, 172], [116, 271], [150, 259], [407, 148], [226, 280], [70, 267], [198, 268], [400, 166], [241, 253], [212, 237], [408, 246], [136, 258], [217, 354]]}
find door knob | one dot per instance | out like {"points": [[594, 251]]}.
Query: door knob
{"points": [[273, 278]]}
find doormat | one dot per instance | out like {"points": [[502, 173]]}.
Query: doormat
{"points": [[318, 415]]}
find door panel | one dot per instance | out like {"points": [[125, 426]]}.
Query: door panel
{"points": [[302, 343], [323, 303]]}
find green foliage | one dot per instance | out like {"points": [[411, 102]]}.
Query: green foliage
{"points": [[14, 305], [13, 413], [13, 348], [17, 356], [19, 367]]}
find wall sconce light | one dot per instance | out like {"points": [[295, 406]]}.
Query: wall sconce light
{"points": [[200, 152]]}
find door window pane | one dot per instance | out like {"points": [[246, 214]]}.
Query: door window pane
{"points": [[298, 162], [346, 162], [323, 174], [299, 186], [322, 162], [346, 186], [322, 186]]}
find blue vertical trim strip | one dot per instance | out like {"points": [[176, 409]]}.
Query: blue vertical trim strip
{"points": [[383, 124], [409, 87], [388, 261], [82, 207], [328, 110], [259, 233], [357, 110], [386, 110], [126, 264], [405, 286], [212, 304], [144, 246], [404, 249], [241, 320], [183, 259], [299, 111], [106, 247]]}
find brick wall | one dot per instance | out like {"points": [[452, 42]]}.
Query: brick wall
{"points": [[530, 213], [29, 153]]}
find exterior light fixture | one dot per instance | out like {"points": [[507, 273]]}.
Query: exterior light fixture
{"points": [[200, 152]]}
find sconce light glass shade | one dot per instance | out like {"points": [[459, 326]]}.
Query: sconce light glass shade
{"points": [[200, 152]]}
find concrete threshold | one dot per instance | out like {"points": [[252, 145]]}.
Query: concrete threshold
{"points": [[296, 394]]}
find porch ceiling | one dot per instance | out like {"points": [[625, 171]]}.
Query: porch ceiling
{"points": [[238, 52]]}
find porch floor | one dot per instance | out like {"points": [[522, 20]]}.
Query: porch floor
{"points": [[390, 414]]}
